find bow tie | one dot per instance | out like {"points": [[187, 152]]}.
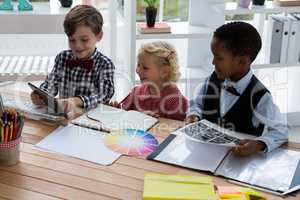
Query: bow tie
{"points": [[84, 64], [231, 90]]}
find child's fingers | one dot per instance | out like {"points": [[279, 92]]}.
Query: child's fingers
{"points": [[245, 148], [63, 104], [156, 115], [37, 99], [238, 150], [114, 104], [191, 119], [67, 105], [153, 114], [242, 142]]}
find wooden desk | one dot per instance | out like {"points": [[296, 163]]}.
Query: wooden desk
{"points": [[40, 175]]}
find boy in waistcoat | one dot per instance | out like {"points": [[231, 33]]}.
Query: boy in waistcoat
{"points": [[233, 97]]}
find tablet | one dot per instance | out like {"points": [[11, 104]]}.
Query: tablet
{"points": [[51, 102]]}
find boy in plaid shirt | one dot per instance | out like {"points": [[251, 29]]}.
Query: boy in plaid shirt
{"points": [[81, 76]]}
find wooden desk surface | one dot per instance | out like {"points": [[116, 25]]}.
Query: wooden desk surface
{"points": [[41, 175]]}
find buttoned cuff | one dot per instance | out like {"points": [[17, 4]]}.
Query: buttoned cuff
{"points": [[267, 143], [86, 102], [190, 113]]}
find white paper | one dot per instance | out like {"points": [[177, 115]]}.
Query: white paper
{"points": [[79, 142], [207, 132]]}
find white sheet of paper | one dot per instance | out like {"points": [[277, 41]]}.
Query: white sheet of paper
{"points": [[79, 142]]}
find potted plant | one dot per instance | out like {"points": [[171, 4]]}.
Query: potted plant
{"points": [[258, 2], [66, 3], [151, 12]]}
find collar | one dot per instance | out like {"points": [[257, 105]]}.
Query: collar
{"points": [[92, 57], [240, 85]]}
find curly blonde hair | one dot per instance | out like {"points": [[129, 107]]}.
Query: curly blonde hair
{"points": [[166, 54]]}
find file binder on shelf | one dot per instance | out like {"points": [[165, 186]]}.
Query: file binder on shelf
{"points": [[285, 38], [276, 28], [294, 41], [297, 37]]}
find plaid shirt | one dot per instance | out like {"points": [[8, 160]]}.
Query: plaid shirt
{"points": [[93, 87]]}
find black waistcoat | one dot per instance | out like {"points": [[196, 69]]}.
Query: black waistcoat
{"points": [[239, 117]]}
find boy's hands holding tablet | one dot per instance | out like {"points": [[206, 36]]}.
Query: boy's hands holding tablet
{"points": [[39, 96], [70, 104], [37, 99], [55, 106]]}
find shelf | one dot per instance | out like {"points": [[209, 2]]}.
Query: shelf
{"points": [[269, 7], [52, 7], [196, 73], [180, 30], [45, 18], [275, 65]]}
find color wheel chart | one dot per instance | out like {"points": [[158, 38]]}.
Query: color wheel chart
{"points": [[131, 142]]}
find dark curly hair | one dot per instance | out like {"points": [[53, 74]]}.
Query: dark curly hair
{"points": [[83, 15], [240, 38]]}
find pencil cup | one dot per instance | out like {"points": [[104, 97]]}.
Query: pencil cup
{"points": [[9, 152], [11, 125]]}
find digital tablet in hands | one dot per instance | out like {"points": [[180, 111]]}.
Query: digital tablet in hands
{"points": [[50, 101]]}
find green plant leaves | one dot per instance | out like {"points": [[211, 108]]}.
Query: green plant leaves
{"points": [[152, 3]]}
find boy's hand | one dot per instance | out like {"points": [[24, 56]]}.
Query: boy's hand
{"points": [[37, 99], [70, 104], [191, 119], [247, 147], [115, 104]]}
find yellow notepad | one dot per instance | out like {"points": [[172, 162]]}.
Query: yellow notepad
{"points": [[175, 187]]}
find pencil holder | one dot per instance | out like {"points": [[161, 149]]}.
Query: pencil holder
{"points": [[9, 152], [11, 125]]}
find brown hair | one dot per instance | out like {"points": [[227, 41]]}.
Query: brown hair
{"points": [[83, 15]]}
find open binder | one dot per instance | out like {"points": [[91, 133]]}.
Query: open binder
{"points": [[276, 172]]}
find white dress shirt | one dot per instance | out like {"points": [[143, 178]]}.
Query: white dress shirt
{"points": [[266, 112]]}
